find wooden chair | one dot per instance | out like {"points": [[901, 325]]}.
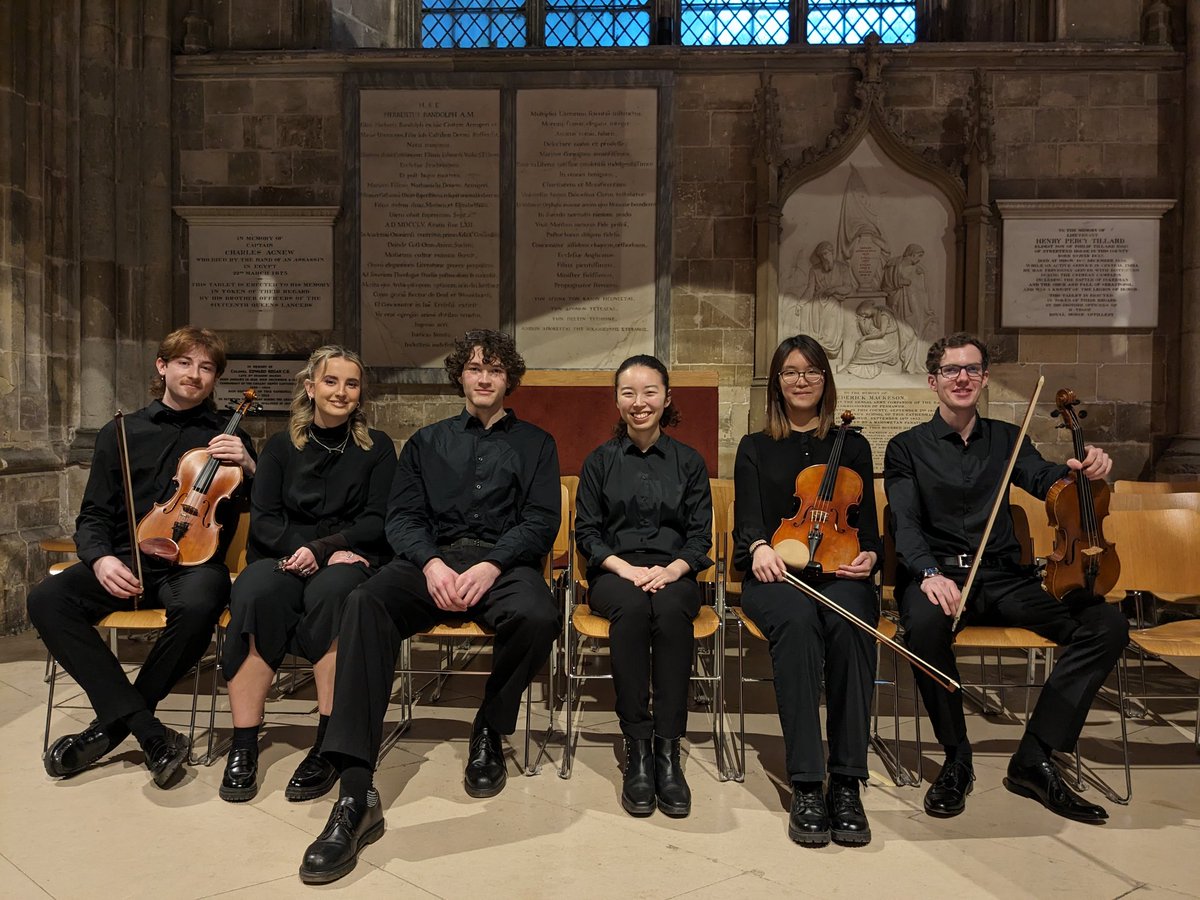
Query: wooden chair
{"points": [[1155, 487], [582, 627], [155, 619], [1171, 500], [1158, 555], [459, 642]]}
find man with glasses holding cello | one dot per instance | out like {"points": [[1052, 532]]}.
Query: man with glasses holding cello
{"points": [[64, 608], [941, 477]]}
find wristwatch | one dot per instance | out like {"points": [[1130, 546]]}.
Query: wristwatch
{"points": [[930, 572]]}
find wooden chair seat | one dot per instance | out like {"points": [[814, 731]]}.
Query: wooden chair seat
{"points": [[591, 625], [1173, 639], [886, 626], [138, 619], [998, 637], [57, 545], [456, 629]]}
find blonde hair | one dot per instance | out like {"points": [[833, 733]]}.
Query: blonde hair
{"points": [[303, 405]]}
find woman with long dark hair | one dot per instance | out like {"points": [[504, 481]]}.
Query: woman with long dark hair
{"points": [[809, 643], [644, 523], [316, 533]]}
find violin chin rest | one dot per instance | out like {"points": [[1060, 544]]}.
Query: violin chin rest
{"points": [[794, 553], [163, 548]]}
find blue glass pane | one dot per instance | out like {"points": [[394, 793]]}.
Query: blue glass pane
{"points": [[473, 23], [591, 23], [724, 23], [832, 22]]}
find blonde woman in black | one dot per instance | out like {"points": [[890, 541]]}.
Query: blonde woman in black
{"points": [[316, 533], [644, 522], [809, 643]]}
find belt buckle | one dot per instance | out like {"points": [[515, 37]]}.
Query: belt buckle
{"points": [[964, 560]]}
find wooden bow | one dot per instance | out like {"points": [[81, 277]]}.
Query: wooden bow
{"points": [[936, 674], [123, 453], [1001, 496]]}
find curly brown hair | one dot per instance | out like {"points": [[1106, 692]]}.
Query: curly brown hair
{"points": [[496, 347], [958, 339]]}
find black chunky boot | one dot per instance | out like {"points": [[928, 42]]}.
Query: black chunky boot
{"points": [[671, 788], [637, 792]]}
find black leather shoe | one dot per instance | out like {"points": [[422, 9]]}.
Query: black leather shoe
{"points": [[335, 851], [947, 796], [486, 772], [312, 779], [1043, 783], [637, 791], [73, 753], [164, 755], [240, 782], [808, 822], [670, 787], [847, 818]]}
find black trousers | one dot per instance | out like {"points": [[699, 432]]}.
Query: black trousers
{"points": [[395, 604], [65, 607], [286, 613], [1092, 631], [810, 643], [651, 640]]}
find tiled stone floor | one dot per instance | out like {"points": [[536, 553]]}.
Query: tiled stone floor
{"points": [[110, 833]]}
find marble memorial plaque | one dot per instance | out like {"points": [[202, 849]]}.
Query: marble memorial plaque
{"points": [[882, 413], [260, 269], [430, 220], [585, 236], [273, 380], [1075, 264]]}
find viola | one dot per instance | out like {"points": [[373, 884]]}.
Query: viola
{"points": [[819, 537], [1082, 559], [184, 529]]}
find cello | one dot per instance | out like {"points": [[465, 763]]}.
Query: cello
{"points": [[184, 530], [1082, 559], [818, 538]]}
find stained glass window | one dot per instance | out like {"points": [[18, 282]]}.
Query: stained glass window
{"points": [[836, 22], [598, 23], [472, 23], [707, 23]]}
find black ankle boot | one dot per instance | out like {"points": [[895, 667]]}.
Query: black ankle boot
{"points": [[671, 788], [847, 818], [637, 792]]}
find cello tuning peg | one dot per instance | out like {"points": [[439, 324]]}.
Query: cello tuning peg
{"points": [[1083, 414], [1054, 414]]}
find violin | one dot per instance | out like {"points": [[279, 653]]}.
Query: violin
{"points": [[819, 538], [184, 529], [1076, 506]]}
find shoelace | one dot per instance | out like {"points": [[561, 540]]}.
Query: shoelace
{"points": [[845, 797], [807, 801], [949, 769]]}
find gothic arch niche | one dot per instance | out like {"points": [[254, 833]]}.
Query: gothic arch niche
{"points": [[868, 265]]}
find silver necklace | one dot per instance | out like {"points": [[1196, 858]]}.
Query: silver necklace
{"points": [[338, 449]]}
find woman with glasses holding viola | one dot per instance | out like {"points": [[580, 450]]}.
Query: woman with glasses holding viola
{"points": [[809, 643]]}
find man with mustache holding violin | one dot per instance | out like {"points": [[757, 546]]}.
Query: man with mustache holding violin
{"points": [[941, 477], [65, 607]]}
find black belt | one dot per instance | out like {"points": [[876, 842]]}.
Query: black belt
{"points": [[966, 560], [467, 542]]}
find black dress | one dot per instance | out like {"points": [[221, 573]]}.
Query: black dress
{"points": [[810, 643], [326, 500]]}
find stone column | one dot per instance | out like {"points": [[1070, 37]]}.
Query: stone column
{"points": [[1183, 454]]}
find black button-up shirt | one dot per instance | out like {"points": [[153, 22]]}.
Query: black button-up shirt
{"points": [[656, 502], [457, 480], [941, 490], [157, 437]]}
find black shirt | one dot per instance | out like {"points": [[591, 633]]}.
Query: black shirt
{"points": [[326, 501], [157, 437], [456, 479], [940, 490], [657, 502], [764, 482]]}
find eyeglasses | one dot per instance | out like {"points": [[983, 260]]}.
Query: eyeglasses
{"points": [[811, 376], [974, 371]]}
